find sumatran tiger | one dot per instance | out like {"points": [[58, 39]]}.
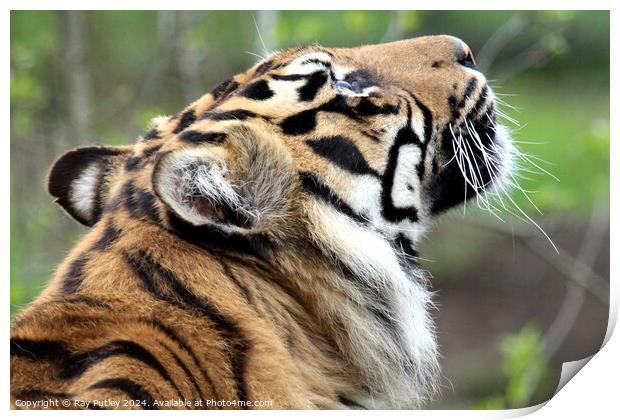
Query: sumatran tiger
{"points": [[258, 249]]}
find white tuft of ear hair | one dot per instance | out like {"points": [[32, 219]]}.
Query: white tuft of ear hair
{"points": [[207, 179], [83, 191], [185, 177]]}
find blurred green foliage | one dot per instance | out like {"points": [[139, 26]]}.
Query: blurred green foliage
{"points": [[570, 123], [524, 364]]}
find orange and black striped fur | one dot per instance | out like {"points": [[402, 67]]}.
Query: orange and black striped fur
{"points": [[260, 244]]}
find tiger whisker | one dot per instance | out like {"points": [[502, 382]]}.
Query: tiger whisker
{"points": [[525, 157], [490, 160]]}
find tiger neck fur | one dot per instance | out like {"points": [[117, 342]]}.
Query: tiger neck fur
{"points": [[378, 306]]}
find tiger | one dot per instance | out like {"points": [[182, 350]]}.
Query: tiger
{"points": [[258, 249]]}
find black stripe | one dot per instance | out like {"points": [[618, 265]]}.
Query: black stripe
{"points": [[428, 133], [45, 350], [110, 235], [305, 121], [128, 198], [151, 151], [192, 136], [225, 327], [453, 103], [183, 366], [139, 203], [75, 273], [480, 103], [133, 163], [427, 118], [258, 91], [82, 299], [447, 187], [469, 90], [367, 108], [77, 364], [149, 270], [300, 123], [313, 185], [390, 212], [263, 68], [174, 337], [242, 287], [147, 204], [133, 390], [100, 186], [342, 152], [137, 162], [209, 237], [315, 82], [224, 89], [234, 114], [289, 77], [457, 105], [73, 365], [187, 119], [316, 61], [152, 134], [371, 136], [434, 166]]}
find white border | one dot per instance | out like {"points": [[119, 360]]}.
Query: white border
{"points": [[592, 394], [318, 5]]}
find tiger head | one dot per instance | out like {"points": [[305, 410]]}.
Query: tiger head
{"points": [[382, 137]]}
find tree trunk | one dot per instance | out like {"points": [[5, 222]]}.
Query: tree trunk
{"points": [[78, 81]]}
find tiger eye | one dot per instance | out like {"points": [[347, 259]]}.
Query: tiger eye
{"points": [[341, 84]]}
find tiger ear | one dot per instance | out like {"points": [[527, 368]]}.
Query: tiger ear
{"points": [[78, 180], [241, 183]]}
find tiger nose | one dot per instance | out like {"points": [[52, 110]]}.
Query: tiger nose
{"points": [[463, 54]]}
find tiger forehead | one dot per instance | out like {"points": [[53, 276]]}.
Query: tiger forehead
{"points": [[294, 81]]}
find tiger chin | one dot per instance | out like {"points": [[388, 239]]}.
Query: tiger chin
{"points": [[260, 245]]}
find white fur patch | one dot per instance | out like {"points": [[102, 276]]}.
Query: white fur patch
{"points": [[406, 189], [409, 376], [83, 191], [341, 72], [158, 121], [304, 65]]}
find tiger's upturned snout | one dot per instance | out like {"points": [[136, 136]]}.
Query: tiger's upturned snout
{"points": [[461, 151]]}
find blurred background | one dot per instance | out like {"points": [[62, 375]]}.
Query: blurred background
{"points": [[511, 309]]}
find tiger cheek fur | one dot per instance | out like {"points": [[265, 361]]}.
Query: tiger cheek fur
{"points": [[260, 244]]}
